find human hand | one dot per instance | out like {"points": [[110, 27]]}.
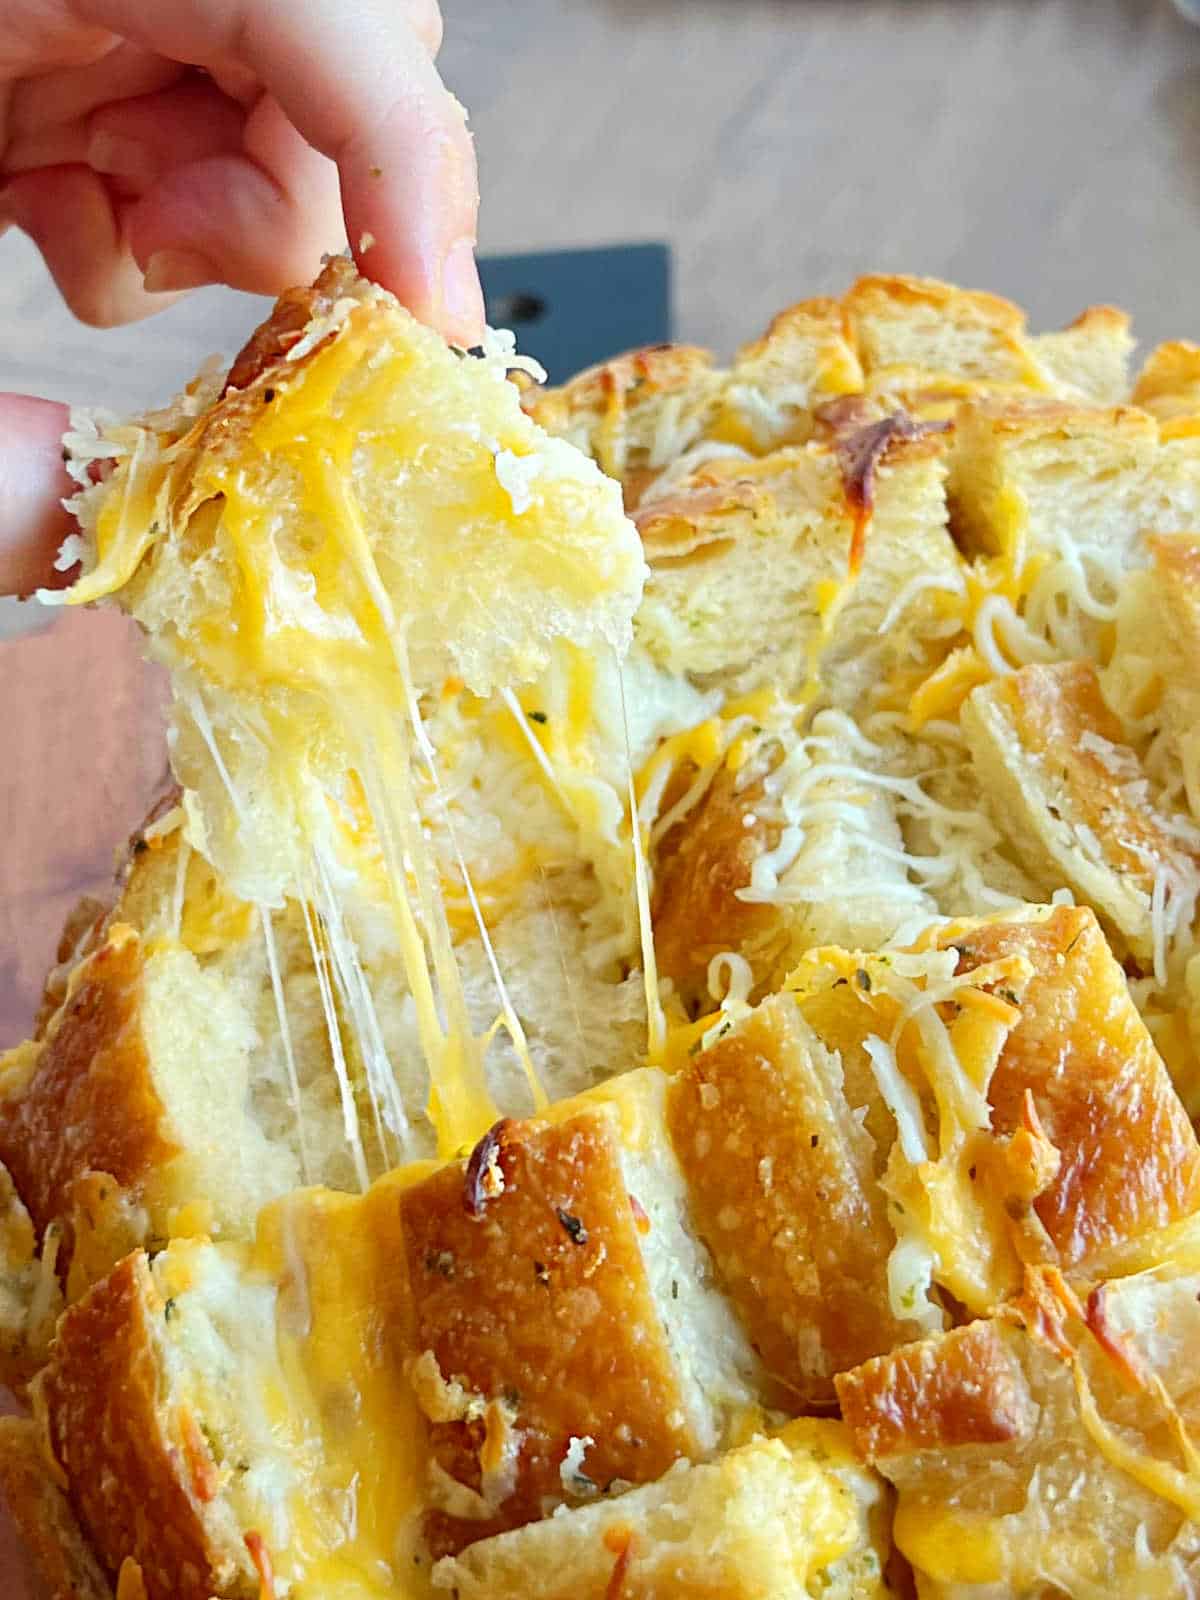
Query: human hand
{"points": [[147, 149]]}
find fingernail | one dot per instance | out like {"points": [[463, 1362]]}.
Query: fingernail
{"points": [[462, 297], [177, 269], [119, 157]]}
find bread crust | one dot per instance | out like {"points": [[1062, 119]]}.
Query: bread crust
{"points": [[540, 1307], [89, 1104], [266, 349], [965, 1388], [107, 1409], [1169, 382], [62, 1555], [896, 292], [700, 865], [1130, 1158], [1071, 794], [783, 1192]]}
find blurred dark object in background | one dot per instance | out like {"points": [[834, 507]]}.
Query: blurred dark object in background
{"points": [[572, 308]]}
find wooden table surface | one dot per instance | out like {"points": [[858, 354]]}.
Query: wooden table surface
{"points": [[1045, 149]]}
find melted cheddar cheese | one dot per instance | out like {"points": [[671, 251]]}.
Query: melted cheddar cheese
{"points": [[379, 512]]}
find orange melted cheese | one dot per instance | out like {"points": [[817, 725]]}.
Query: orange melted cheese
{"points": [[354, 1522]]}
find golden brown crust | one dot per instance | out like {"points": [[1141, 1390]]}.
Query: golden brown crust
{"points": [[610, 409], [783, 1193], [1020, 420], [1130, 1159], [63, 1558], [690, 525], [80, 935], [540, 1306], [87, 921], [701, 864], [889, 292], [111, 1430], [1057, 713], [1169, 383], [90, 1104], [1108, 319], [267, 347], [727, 502], [654, 369], [964, 1388], [821, 317]]}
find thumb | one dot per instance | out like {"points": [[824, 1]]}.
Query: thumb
{"points": [[33, 482]]}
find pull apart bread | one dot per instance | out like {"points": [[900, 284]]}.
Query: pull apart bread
{"points": [[651, 1052]]}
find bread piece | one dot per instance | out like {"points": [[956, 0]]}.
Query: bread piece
{"points": [[961, 1389], [178, 965], [781, 1518], [804, 361], [1057, 478], [1077, 807], [778, 540], [1043, 1452], [378, 1376], [1085, 1144], [65, 1561], [225, 1405], [136, 1104], [536, 1297], [1153, 678], [156, 1097], [930, 345], [649, 414], [304, 592], [1041, 1125], [141, 1476], [324, 556], [748, 868], [1088, 361], [784, 1193], [1169, 383], [701, 866], [904, 323], [634, 414], [1130, 1163]]}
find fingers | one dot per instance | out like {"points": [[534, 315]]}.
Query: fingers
{"points": [[62, 99], [137, 141], [33, 482], [359, 84], [259, 217], [214, 196], [69, 214]]}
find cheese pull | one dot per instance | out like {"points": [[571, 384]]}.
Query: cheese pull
{"points": [[297, 555]]}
